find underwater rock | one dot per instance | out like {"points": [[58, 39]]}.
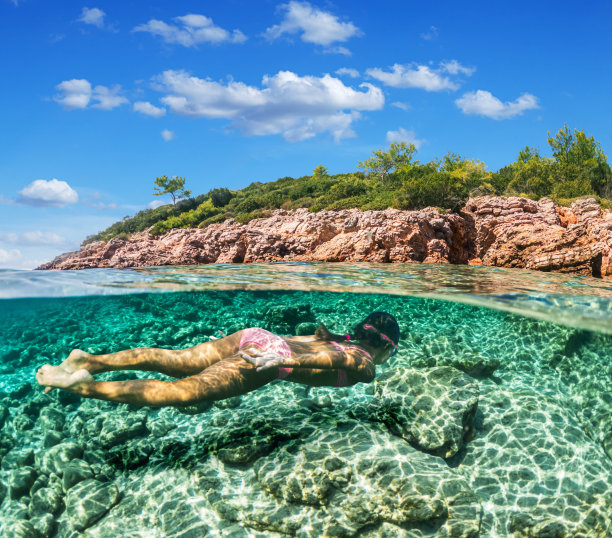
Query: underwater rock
{"points": [[305, 329], [75, 471], [20, 481], [117, 428], [21, 529], [54, 460], [17, 458], [45, 501], [21, 391], [3, 490], [4, 414], [433, 409], [131, 455], [178, 518], [529, 454], [51, 419], [45, 525], [284, 318], [366, 478], [52, 438], [88, 501]]}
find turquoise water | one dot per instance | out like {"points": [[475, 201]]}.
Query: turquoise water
{"points": [[494, 419]]}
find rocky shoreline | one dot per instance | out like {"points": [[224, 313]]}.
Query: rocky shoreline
{"points": [[495, 231]]}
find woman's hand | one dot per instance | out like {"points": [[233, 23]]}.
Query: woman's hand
{"points": [[266, 359]]}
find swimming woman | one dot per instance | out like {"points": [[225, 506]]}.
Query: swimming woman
{"points": [[230, 366]]}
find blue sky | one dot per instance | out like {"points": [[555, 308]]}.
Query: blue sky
{"points": [[99, 98]]}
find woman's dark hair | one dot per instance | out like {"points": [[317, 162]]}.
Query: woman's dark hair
{"points": [[383, 322]]}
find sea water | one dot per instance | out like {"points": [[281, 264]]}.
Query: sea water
{"points": [[494, 418]]}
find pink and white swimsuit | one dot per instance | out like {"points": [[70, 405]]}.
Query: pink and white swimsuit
{"points": [[267, 341]]}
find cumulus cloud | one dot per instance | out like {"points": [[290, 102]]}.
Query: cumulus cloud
{"points": [[453, 67], [191, 30], [33, 239], [314, 25], [404, 135], [348, 71], [296, 107], [421, 76], [167, 135], [484, 103], [92, 16], [53, 193], [79, 94], [144, 107]]}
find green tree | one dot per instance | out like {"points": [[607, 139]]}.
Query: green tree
{"points": [[220, 197], [398, 157], [174, 186], [531, 175], [580, 159], [320, 172]]}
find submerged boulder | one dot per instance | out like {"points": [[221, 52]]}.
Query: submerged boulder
{"points": [[364, 478], [88, 501], [433, 409]]}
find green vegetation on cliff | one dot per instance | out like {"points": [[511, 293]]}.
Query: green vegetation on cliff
{"points": [[391, 178]]}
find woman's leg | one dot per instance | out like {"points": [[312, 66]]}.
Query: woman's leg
{"points": [[175, 363], [229, 377]]}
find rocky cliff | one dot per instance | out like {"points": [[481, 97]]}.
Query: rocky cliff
{"points": [[497, 231]]}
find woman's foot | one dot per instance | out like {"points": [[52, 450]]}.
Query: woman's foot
{"points": [[77, 360], [56, 376]]}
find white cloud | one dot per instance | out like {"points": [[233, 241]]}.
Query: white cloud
{"points": [[167, 135], [421, 76], [10, 258], [191, 30], [108, 98], [484, 103], [348, 71], [155, 204], [404, 135], [316, 26], [455, 68], [401, 105], [34, 238], [144, 107], [53, 193], [92, 16], [296, 107], [6, 201], [78, 94]]}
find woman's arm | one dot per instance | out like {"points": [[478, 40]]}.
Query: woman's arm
{"points": [[359, 367]]}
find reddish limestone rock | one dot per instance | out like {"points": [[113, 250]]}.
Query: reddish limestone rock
{"points": [[500, 231], [517, 232]]}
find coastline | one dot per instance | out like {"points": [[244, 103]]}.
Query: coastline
{"points": [[494, 231]]}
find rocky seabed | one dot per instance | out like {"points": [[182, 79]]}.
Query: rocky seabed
{"points": [[458, 436]]}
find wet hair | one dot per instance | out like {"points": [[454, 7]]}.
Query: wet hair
{"points": [[382, 321]]}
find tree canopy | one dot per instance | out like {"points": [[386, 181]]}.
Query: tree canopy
{"points": [[397, 157], [174, 186]]}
